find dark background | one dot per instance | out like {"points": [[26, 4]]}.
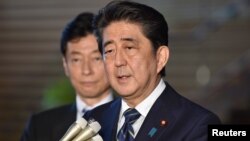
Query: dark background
{"points": [[209, 55]]}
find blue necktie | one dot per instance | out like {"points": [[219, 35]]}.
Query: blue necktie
{"points": [[126, 132], [84, 110]]}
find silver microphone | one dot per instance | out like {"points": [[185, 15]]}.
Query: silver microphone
{"points": [[74, 129], [96, 138], [89, 131]]}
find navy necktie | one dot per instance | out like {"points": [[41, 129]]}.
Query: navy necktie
{"points": [[84, 110], [126, 132]]}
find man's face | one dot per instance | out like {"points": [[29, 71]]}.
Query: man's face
{"points": [[84, 66], [131, 64]]}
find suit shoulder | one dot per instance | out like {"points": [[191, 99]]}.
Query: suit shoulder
{"points": [[103, 107], [100, 110], [197, 109], [54, 112], [188, 107]]}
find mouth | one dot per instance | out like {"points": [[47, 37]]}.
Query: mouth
{"points": [[123, 78], [87, 83]]}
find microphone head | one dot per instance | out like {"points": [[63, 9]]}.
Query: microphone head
{"points": [[82, 122], [96, 138], [74, 129], [88, 132], [95, 126]]}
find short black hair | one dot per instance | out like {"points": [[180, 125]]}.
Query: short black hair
{"points": [[153, 23], [80, 26]]}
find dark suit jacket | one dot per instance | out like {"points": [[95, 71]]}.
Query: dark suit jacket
{"points": [[184, 120], [50, 125]]}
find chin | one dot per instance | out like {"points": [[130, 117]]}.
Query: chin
{"points": [[89, 94], [124, 92]]}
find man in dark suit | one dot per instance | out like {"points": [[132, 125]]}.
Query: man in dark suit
{"points": [[134, 40], [84, 67]]}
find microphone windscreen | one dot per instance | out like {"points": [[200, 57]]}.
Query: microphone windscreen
{"points": [[82, 122], [74, 129], [95, 126], [96, 138], [88, 132]]}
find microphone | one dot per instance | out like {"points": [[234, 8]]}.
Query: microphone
{"points": [[89, 131], [74, 129], [96, 138]]}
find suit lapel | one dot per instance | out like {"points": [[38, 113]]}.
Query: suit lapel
{"points": [[110, 125], [64, 121], [159, 120]]}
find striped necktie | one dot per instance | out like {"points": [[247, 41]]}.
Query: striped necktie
{"points": [[126, 132]]}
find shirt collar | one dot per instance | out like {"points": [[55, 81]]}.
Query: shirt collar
{"points": [[80, 105], [144, 107]]}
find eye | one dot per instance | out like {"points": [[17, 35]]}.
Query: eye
{"points": [[97, 58], [75, 60], [129, 48], [108, 51]]}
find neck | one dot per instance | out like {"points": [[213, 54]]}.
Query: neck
{"points": [[134, 101], [92, 101]]}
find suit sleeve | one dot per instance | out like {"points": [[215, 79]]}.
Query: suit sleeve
{"points": [[200, 130], [29, 130]]}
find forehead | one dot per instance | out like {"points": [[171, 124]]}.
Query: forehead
{"points": [[122, 29], [84, 45]]}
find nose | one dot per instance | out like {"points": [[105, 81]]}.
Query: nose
{"points": [[119, 59], [86, 67]]}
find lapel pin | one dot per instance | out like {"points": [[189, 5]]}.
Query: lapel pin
{"points": [[163, 123], [152, 132]]}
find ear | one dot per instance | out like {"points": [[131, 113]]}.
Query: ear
{"points": [[162, 56], [65, 66]]}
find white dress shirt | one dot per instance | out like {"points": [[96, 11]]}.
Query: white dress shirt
{"points": [[143, 108], [80, 105]]}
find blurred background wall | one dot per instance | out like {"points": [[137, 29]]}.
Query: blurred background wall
{"points": [[209, 59]]}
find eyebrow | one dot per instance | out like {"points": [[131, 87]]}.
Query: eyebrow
{"points": [[128, 39], [107, 43], [79, 53], [122, 39], [95, 51], [75, 52]]}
